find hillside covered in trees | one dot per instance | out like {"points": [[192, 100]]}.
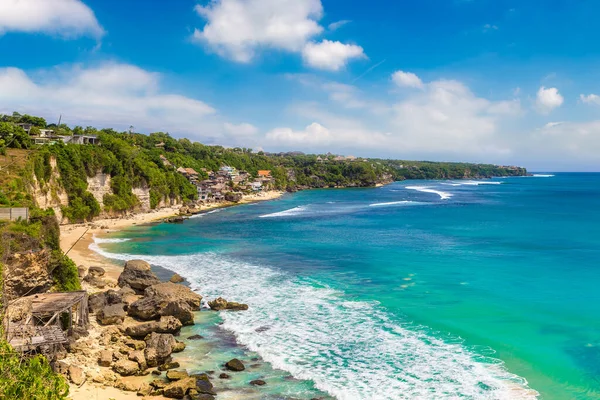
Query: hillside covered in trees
{"points": [[135, 160]]}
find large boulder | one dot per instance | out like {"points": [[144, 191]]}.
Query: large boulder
{"points": [[159, 347], [152, 308], [173, 375], [98, 301], [176, 278], [126, 367], [178, 389], [222, 304], [138, 275], [173, 291], [111, 315], [166, 324]]}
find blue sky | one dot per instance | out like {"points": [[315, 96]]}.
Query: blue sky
{"points": [[471, 80]]}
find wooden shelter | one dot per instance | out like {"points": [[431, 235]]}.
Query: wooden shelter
{"points": [[45, 320]]}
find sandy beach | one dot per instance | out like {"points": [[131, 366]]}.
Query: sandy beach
{"points": [[76, 239]]}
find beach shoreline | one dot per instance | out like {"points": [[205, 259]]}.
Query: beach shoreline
{"points": [[76, 239]]}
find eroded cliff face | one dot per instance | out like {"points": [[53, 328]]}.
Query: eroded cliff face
{"points": [[143, 195], [51, 194], [98, 186]]}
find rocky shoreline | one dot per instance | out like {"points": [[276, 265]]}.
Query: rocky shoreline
{"points": [[133, 337]]}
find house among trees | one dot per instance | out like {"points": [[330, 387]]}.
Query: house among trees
{"points": [[264, 173]]}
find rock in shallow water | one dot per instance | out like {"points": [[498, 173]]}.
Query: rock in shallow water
{"points": [[222, 304], [235, 365], [258, 382]]}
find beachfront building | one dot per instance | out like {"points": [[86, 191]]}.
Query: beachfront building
{"points": [[256, 186]]}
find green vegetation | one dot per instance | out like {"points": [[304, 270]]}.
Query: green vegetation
{"points": [[138, 161], [29, 378]]}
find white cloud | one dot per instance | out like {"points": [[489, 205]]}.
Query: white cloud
{"points": [[67, 18], [330, 55], [112, 95], [337, 25], [244, 129], [548, 99], [313, 134], [590, 99], [236, 29], [406, 79]]}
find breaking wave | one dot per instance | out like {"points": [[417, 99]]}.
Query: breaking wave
{"points": [[427, 189], [350, 349]]}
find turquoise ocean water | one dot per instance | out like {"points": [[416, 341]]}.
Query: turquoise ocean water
{"points": [[416, 290]]}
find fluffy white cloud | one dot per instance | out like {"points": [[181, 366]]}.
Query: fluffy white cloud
{"points": [[548, 99], [68, 18], [590, 99], [237, 28], [407, 79], [313, 134], [244, 129], [109, 95], [330, 55]]}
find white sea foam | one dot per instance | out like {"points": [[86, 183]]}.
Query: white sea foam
{"points": [[427, 189], [543, 175], [350, 349], [393, 203], [109, 240], [287, 213], [472, 183]]}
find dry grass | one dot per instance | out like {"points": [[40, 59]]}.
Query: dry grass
{"points": [[12, 164]]}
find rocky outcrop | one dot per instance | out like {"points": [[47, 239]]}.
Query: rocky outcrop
{"points": [[152, 308], [99, 300], [111, 314], [143, 195], [96, 271], [126, 367], [138, 275], [176, 278], [26, 274], [166, 324], [222, 304], [178, 389], [173, 291], [159, 347], [166, 299]]}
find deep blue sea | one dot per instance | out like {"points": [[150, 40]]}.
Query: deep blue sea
{"points": [[416, 290]]}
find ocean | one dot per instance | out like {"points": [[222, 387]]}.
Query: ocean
{"points": [[416, 290]]}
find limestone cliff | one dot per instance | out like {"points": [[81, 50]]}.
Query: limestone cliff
{"points": [[98, 186], [50, 194]]}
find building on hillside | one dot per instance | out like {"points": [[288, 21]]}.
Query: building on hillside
{"points": [[264, 173], [256, 186], [319, 159], [160, 145], [339, 158], [350, 158], [80, 139], [26, 127]]}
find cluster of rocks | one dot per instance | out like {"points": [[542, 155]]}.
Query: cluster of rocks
{"points": [[140, 321]]}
